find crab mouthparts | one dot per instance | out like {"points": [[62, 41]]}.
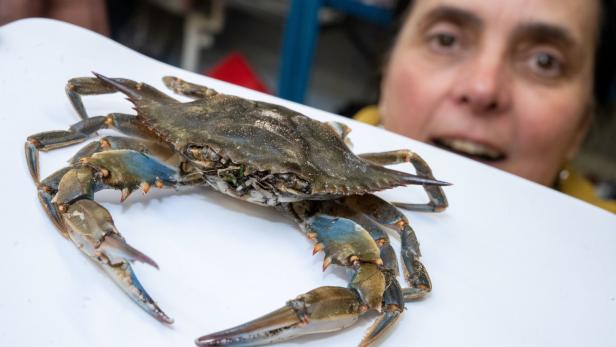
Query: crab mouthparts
{"points": [[470, 149]]}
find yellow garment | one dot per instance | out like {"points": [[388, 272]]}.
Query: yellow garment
{"points": [[573, 183], [369, 115], [570, 182]]}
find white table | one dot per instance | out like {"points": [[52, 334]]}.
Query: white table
{"points": [[512, 263]]}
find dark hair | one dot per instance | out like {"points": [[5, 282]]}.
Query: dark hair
{"points": [[605, 58], [604, 88]]}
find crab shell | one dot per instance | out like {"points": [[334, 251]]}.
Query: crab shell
{"points": [[264, 137]]}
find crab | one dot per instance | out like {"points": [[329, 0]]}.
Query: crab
{"points": [[263, 153]]}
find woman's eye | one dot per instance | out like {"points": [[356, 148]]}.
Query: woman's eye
{"points": [[546, 65], [444, 41]]}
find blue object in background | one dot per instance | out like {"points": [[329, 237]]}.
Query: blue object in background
{"points": [[300, 37]]}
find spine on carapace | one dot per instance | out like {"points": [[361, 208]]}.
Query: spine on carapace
{"points": [[139, 94]]}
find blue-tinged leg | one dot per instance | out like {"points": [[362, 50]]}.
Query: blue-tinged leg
{"points": [[91, 228], [377, 232], [107, 143], [386, 214], [325, 309], [77, 133], [393, 306], [129, 170], [375, 283], [47, 189], [67, 196], [348, 244]]}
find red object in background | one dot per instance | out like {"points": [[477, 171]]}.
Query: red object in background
{"points": [[235, 69]]}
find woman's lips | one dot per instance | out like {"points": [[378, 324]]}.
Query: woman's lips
{"points": [[469, 148]]}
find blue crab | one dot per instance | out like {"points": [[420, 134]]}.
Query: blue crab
{"points": [[262, 153]]}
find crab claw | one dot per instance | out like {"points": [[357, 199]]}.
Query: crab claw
{"points": [[385, 321], [91, 228], [393, 306], [321, 310]]}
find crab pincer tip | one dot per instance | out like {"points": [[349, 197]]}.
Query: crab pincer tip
{"points": [[276, 326], [435, 182], [426, 181]]}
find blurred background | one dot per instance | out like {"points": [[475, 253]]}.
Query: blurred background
{"points": [[324, 53]]}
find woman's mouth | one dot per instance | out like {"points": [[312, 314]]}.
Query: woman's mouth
{"points": [[470, 149]]}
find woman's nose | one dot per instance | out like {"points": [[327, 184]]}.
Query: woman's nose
{"points": [[483, 86]]}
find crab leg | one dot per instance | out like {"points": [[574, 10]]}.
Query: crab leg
{"points": [[78, 132], [374, 282], [393, 306], [48, 140], [80, 86], [188, 89], [376, 231], [326, 309], [323, 309], [67, 197], [119, 142], [438, 201], [386, 214], [342, 130], [49, 186], [46, 191], [91, 228]]}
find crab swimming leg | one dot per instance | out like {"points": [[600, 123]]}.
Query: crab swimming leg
{"points": [[386, 214], [325, 309], [90, 226], [438, 201]]}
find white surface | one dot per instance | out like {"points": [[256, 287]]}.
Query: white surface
{"points": [[512, 263]]}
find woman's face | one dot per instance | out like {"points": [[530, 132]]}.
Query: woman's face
{"points": [[508, 83]]}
